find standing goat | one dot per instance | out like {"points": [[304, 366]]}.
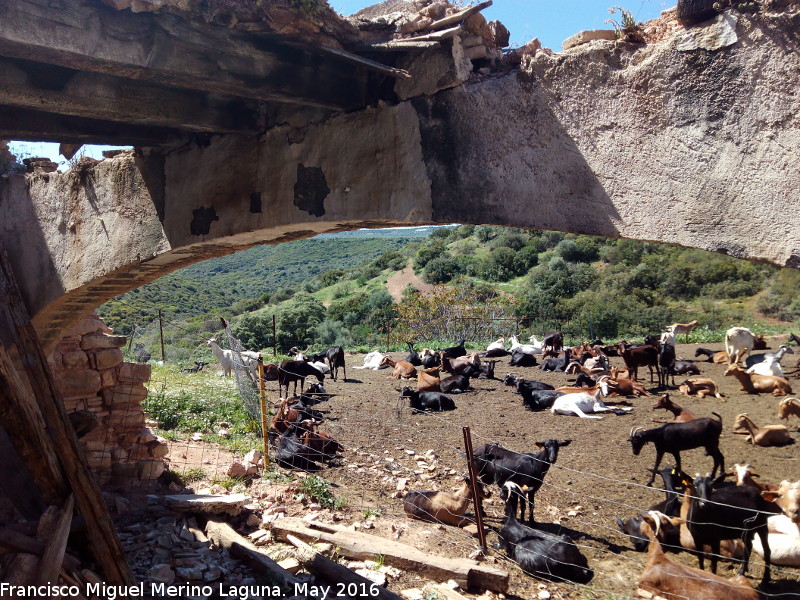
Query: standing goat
{"points": [[672, 438], [495, 464], [738, 342], [682, 328]]}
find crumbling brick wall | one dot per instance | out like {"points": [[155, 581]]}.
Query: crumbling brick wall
{"points": [[91, 375]]}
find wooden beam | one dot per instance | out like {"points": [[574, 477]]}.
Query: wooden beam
{"points": [[53, 89], [361, 546], [19, 542], [30, 125], [164, 48], [336, 573], [403, 45], [17, 332], [225, 536], [459, 16], [56, 545]]}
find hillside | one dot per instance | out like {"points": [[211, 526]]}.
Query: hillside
{"points": [[480, 282]]}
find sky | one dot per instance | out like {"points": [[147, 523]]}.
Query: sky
{"points": [[552, 21]]}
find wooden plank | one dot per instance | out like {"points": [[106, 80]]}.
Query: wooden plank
{"points": [[56, 545], [363, 546], [367, 63], [437, 36], [31, 125], [18, 542], [459, 16], [336, 573], [403, 46], [225, 536], [166, 49], [54, 89], [17, 331]]}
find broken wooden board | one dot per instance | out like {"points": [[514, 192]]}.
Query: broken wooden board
{"points": [[362, 546], [232, 504], [336, 573], [225, 536], [459, 16]]}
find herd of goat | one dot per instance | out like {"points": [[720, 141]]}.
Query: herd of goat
{"points": [[707, 516]]}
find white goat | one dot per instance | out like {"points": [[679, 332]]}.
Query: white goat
{"points": [[768, 366], [227, 360], [373, 361], [525, 348], [497, 345], [580, 403], [738, 342], [669, 338], [784, 541], [539, 346]]}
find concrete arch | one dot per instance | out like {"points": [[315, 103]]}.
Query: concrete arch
{"points": [[695, 147]]}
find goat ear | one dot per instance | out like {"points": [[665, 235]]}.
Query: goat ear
{"points": [[771, 495], [565, 443]]}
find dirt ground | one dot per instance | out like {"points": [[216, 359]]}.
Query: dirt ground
{"points": [[595, 480]]}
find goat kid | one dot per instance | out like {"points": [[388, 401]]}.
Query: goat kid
{"points": [[681, 415], [442, 507]]}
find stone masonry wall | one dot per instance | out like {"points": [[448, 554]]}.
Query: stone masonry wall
{"points": [[91, 374]]}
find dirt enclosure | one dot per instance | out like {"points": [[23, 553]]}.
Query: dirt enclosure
{"points": [[595, 480]]}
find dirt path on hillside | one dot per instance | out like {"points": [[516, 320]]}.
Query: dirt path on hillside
{"points": [[402, 279]]}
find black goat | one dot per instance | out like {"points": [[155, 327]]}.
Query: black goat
{"points": [[413, 355], [484, 371], [293, 453], [335, 359], [540, 399], [794, 338], [584, 380], [523, 385], [455, 351], [554, 364], [495, 464], [729, 513], [292, 371], [522, 359], [553, 343], [427, 401], [673, 437], [670, 506], [666, 360], [537, 552], [684, 367], [198, 366], [454, 384], [496, 353], [705, 352]]}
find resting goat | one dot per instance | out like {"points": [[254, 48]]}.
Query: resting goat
{"points": [[427, 401], [777, 356], [700, 387], [402, 369], [682, 415], [580, 403], [537, 552], [718, 357], [442, 507], [672, 438], [373, 361], [768, 435], [752, 383], [788, 407]]}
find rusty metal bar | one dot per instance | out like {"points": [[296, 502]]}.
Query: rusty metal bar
{"points": [[476, 498]]}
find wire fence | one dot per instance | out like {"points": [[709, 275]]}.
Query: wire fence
{"points": [[211, 421]]}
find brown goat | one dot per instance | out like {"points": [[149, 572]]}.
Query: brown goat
{"points": [[684, 328], [753, 383], [626, 387], [768, 435], [744, 475], [441, 507], [682, 415], [402, 368], [456, 365], [428, 380], [788, 407], [700, 387], [675, 581], [720, 358]]}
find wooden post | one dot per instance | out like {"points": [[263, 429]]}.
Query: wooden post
{"points": [[476, 498], [262, 390], [274, 337], [17, 333], [161, 331]]}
